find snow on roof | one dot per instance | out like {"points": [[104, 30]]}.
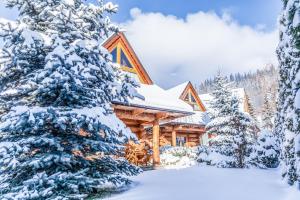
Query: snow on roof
{"points": [[177, 90], [199, 117], [238, 92], [154, 96]]}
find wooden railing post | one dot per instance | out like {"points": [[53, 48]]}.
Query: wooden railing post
{"points": [[156, 156]]}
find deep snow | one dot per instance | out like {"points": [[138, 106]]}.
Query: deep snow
{"points": [[209, 183]]}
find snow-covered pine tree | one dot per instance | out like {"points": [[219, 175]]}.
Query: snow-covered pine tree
{"points": [[288, 117], [59, 136], [220, 118], [232, 128], [267, 113], [266, 151], [243, 131], [222, 97]]}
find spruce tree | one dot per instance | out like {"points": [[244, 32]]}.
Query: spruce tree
{"points": [[59, 136], [267, 113], [243, 131], [232, 128], [288, 117], [266, 151]]}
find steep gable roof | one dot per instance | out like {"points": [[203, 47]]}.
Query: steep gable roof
{"points": [[120, 46], [182, 90]]}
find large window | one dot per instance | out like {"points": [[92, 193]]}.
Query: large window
{"points": [[114, 55], [124, 60]]}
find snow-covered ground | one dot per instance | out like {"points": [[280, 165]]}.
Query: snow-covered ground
{"points": [[209, 183]]}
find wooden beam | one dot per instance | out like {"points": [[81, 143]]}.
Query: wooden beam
{"points": [[131, 122], [173, 138], [161, 115], [184, 129], [156, 156], [137, 111], [136, 129], [129, 116], [191, 130]]}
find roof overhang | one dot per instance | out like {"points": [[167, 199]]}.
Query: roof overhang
{"points": [[135, 116]]}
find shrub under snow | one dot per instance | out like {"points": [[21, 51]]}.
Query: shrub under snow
{"points": [[178, 157], [266, 151], [211, 156]]}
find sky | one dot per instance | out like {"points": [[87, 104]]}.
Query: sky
{"points": [[190, 40]]}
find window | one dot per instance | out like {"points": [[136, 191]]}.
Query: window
{"points": [[180, 141], [193, 99], [187, 98], [124, 60], [114, 55]]}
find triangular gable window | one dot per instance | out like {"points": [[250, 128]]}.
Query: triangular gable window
{"points": [[124, 60], [193, 99], [187, 98], [190, 99], [114, 55]]}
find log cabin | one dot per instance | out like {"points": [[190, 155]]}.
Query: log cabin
{"points": [[177, 114], [156, 107]]}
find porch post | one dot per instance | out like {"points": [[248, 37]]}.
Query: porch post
{"points": [[156, 156], [173, 138]]}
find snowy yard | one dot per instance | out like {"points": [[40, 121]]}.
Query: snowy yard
{"points": [[209, 183]]}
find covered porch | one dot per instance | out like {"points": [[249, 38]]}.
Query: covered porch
{"points": [[182, 134], [140, 118]]}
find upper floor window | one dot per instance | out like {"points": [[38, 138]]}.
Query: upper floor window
{"points": [[193, 100], [124, 60], [190, 99], [114, 55]]}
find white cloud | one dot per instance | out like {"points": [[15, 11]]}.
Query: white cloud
{"points": [[174, 50]]}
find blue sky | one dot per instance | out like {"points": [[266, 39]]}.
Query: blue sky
{"points": [[207, 36], [246, 12]]}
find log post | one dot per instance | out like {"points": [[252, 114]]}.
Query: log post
{"points": [[174, 137], [156, 156]]}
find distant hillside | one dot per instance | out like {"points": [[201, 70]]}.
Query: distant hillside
{"points": [[256, 84]]}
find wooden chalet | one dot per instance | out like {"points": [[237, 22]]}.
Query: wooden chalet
{"points": [[175, 116], [156, 108]]}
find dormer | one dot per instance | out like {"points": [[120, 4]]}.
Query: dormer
{"points": [[188, 94]]}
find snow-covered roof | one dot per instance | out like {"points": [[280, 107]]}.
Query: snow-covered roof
{"points": [[198, 118], [238, 92], [177, 90], [156, 97]]}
